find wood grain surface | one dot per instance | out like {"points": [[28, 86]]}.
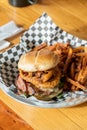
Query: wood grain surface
{"points": [[71, 16], [10, 120]]}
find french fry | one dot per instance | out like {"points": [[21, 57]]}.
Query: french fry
{"points": [[76, 77], [75, 83], [82, 76], [85, 49], [72, 70], [73, 88], [81, 54], [84, 62], [68, 60], [81, 48]]}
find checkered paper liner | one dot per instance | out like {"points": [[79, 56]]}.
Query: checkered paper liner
{"points": [[43, 30]]}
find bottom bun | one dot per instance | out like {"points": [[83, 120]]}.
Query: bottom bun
{"points": [[48, 97]]}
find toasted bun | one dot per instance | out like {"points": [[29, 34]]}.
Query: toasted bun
{"points": [[38, 61], [49, 97]]}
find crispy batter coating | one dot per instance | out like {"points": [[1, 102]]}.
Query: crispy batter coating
{"points": [[47, 80]]}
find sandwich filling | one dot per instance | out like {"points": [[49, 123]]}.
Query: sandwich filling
{"points": [[40, 83]]}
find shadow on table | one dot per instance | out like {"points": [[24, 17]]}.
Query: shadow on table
{"points": [[44, 2]]}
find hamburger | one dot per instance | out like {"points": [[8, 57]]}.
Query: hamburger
{"points": [[39, 74]]}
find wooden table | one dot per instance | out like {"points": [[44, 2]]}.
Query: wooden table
{"points": [[10, 120], [70, 15]]}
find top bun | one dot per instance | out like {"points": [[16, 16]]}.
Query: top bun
{"points": [[38, 60]]}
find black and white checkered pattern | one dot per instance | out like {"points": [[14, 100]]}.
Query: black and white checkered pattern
{"points": [[66, 37], [8, 64], [43, 30]]}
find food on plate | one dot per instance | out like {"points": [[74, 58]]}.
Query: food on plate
{"points": [[46, 71], [39, 74], [73, 65]]}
